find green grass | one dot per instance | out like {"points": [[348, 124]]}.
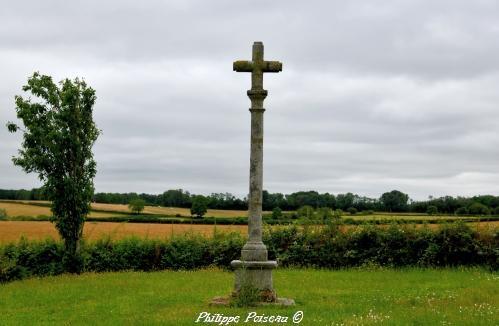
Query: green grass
{"points": [[349, 297]]}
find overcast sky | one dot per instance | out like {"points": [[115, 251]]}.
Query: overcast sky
{"points": [[373, 96]]}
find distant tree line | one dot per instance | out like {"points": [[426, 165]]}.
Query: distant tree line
{"points": [[22, 194], [393, 201]]}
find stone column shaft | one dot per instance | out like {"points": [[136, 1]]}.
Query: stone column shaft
{"points": [[256, 176], [254, 268], [254, 249]]}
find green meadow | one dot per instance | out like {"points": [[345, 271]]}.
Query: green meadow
{"points": [[363, 296]]}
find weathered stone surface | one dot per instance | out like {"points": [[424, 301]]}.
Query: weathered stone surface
{"points": [[254, 249], [254, 268], [268, 264], [257, 278]]}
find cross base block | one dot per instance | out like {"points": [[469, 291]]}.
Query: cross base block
{"points": [[256, 274]]}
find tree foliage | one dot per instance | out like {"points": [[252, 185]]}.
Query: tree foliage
{"points": [[276, 213], [445, 205], [199, 206], [137, 205], [58, 135], [395, 201], [478, 209], [432, 210]]}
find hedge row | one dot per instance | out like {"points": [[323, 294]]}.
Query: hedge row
{"points": [[158, 219], [327, 247]]}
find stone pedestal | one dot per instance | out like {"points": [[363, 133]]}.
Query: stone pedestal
{"points": [[256, 274]]}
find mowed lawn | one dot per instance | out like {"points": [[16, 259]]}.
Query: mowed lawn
{"points": [[12, 231], [345, 297]]}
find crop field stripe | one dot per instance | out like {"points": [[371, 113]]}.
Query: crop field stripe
{"points": [[12, 231]]}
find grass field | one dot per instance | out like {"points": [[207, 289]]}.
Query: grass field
{"points": [[345, 297], [12, 231]]}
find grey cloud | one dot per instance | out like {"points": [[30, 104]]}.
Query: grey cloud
{"points": [[373, 96]]}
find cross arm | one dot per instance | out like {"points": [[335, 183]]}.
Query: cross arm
{"points": [[242, 66], [272, 66]]}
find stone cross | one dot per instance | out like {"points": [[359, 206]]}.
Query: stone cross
{"points": [[254, 268]]}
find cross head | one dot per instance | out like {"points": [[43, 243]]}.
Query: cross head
{"points": [[257, 66]]}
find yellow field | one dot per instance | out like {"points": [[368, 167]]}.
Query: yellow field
{"points": [[160, 210], [11, 231], [22, 209]]}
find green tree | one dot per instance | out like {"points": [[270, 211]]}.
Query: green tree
{"points": [[478, 209], [344, 201], [276, 213], [176, 198], [58, 136], [199, 206], [394, 201], [432, 210], [137, 205]]}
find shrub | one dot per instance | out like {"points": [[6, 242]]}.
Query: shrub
{"points": [[186, 252], [26, 259], [337, 213], [461, 211], [324, 214], [432, 210], [352, 210], [305, 211], [225, 248], [321, 247], [3, 214], [276, 213]]}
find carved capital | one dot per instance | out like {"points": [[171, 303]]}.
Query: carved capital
{"points": [[257, 94]]}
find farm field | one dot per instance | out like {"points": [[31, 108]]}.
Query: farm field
{"points": [[99, 210], [326, 297], [32, 208], [25, 209], [12, 231], [160, 210]]}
